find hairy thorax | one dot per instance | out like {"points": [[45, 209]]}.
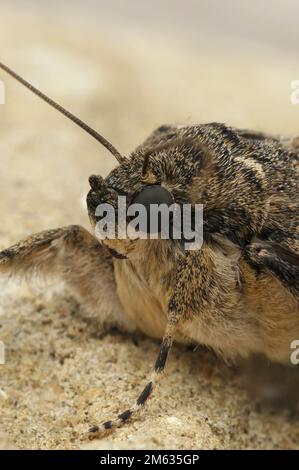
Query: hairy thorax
{"points": [[250, 312]]}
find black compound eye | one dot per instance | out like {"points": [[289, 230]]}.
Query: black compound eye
{"points": [[156, 195], [153, 194]]}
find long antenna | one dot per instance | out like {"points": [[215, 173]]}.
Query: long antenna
{"points": [[66, 113]]}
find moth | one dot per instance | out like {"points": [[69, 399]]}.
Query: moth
{"points": [[238, 294]]}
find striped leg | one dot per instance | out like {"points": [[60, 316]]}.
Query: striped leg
{"points": [[160, 364]]}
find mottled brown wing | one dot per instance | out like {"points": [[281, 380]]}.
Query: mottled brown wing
{"points": [[278, 260]]}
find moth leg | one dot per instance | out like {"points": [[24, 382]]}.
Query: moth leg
{"points": [[279, 261], [179, 303], [70, 254], [154, 378]]}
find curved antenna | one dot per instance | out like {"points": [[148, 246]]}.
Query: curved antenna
{"points": [[66, 113]]}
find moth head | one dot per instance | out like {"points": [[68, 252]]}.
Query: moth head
{"points": [[112, 212], [156, 176]]}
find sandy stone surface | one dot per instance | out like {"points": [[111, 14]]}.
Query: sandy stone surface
{"points": [[62, 374]]}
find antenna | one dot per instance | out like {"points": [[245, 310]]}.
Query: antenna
{"points": [[66, 113]]}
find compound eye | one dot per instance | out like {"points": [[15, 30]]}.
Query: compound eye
{"points": [[153, 195]]}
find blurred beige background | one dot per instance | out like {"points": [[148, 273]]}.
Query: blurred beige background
{"points": [[125, 67]]}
